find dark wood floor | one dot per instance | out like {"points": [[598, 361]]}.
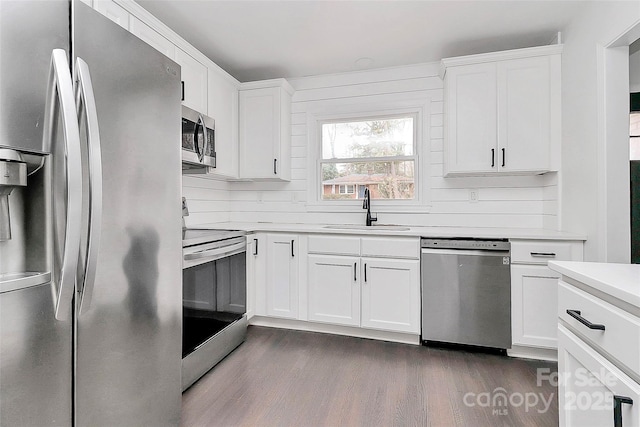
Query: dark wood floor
{"points": [[291, 378]]}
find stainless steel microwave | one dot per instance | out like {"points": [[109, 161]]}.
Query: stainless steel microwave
{"points": [[198, 139]]}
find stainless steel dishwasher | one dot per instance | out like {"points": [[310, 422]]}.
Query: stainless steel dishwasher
{"points": [[466, 292]]}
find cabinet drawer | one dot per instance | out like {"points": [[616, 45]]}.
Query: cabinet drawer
{"points": [[391, 247], [621, 335], [334, 245], [539, 252], [588, 385]]}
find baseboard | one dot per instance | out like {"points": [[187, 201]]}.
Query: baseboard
{"points": [[301, 325], [549, 354]]}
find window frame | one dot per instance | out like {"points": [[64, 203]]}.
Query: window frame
{"points": [[345, 118], [422, 104]]}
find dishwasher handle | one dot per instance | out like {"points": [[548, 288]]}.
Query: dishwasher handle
{"points": [[472, 252]]}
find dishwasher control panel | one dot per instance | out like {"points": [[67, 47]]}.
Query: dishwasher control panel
{"points": [[485, 245]]}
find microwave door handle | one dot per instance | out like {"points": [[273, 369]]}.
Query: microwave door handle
{"points": [[85, 96], [205, 136], [200, 150], [217, 253], [60, 92]]}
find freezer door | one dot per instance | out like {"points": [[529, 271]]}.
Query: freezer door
{"points": [[128, 343], [29, 31], [35, 360]]}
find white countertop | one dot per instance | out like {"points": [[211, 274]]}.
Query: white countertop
{"points": [[621, 281], [446, 232]]}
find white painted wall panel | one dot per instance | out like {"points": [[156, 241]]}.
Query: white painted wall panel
{"points": [[515, 201]]}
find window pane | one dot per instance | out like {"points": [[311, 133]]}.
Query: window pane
{"points": [[385, 180], [369, 138]]}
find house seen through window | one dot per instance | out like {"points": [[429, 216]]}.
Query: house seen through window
{"points": [[375, 153]]}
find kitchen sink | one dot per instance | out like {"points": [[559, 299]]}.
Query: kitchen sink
{"points": [[389, 227]]}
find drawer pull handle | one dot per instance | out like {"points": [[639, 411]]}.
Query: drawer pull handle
{"points": [[617, 408], [543, 254], [576, 315]]}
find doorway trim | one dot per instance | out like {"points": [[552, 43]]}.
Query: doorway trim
{"points": [[614, 223]]}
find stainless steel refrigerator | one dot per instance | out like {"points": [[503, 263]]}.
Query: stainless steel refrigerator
{"points": [[90, 222]]}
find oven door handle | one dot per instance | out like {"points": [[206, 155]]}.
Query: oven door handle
{"points": [[217, 253]]}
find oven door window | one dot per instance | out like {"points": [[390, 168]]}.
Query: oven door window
{"points": [[214, 296]]}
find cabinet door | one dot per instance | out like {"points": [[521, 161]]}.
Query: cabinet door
{"points": [[252, 262], [534, 302], [391, 294], [223, 107], [113, 11], [257, 272], [524, 115], [259, 133], [589, 385], [194, 80], [151, 37], [282, 275], [471, 119], [334, 291]]}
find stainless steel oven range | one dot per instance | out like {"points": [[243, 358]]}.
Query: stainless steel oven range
{"points": [[214, 320]]}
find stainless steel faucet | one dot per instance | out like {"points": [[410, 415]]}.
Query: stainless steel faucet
{"points": [[367, 205]]}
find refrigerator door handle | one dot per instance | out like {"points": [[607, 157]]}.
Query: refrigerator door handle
{"points": [[86, 104], [60, 99]]}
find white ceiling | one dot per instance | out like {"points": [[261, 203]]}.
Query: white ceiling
{"points": [[254, 40]]}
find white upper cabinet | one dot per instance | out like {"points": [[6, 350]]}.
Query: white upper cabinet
{"points": [[194, 81], [113, 11], [502, 112], [223, 107], [265, 130], [471, 117], [151, 37], [524, 108]]}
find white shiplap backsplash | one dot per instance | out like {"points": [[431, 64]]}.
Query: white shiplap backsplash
{"points": [[516, 201]]}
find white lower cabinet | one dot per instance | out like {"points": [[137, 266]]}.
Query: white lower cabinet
{"points": [[534, 301], [334, 289], [391, 294], [329, 280], [593, 391], [281, 287], [254, 275], [534, 293], [381, 293]]}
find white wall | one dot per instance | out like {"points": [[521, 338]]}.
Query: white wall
{"points": [[584, 172], [207, 199], [524, 202]]}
